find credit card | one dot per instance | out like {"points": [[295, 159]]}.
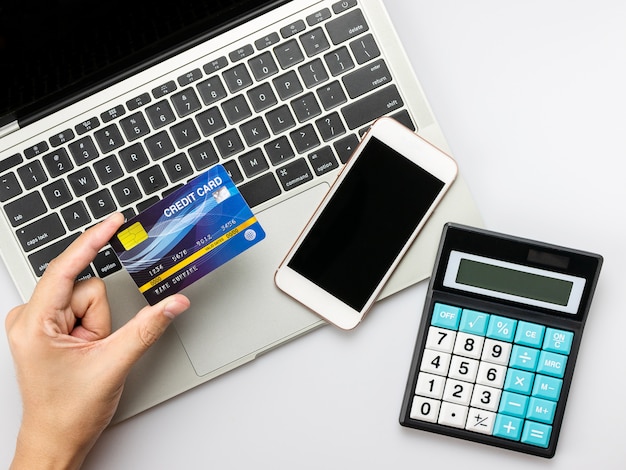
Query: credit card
{"points": [[186, 235]]}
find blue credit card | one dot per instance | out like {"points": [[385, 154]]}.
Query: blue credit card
{"points": [[186, 235]]}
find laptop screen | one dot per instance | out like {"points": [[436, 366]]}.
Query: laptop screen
{"points": [[54, 49]]}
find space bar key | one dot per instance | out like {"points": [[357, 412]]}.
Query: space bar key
{"points": [[260, 190]]}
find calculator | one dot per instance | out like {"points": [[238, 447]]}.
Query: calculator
{"points": [[498, 339]]}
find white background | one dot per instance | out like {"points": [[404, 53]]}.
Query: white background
{"points": [[532, 99]]}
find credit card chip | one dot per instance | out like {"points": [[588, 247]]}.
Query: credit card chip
{"points": [[132, 236]]}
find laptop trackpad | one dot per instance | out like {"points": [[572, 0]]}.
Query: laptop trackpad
{"points": [[237, 312]]}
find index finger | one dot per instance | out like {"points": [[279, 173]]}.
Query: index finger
{"points": [[60, 275]]}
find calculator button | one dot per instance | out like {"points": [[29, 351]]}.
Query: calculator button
{"points": [[558, 341], [435, 362], [547, 387], [486, 398], [529, 334], [474, 322], [469, 345], [508, 427], [480, 421], [429, 385], [524, 358], [536, 434], [453, 415], [457, 391], [541, 410], [463, 368], [492, 375], [518, 381], [497, 352], [440, 339], [501, 328], [513, 404], [446, 316], [551, 364], [425, 409]]}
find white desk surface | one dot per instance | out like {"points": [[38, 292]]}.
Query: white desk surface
{"points": [[532, 99]]}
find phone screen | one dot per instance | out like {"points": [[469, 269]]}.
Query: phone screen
{"points": [[366, 224]]}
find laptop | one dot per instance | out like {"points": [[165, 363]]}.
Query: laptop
{"points": [[110, 109]]}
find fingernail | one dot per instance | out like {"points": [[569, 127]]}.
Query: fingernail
{"points": [[174, 308]]}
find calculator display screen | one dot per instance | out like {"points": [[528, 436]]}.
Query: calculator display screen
{"points": [[510, 281]]}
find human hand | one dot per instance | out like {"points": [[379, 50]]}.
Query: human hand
{"points": [[70, 368]]}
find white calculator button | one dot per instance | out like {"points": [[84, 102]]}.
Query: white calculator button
{"points": [[497, 352], [429, 385], [469, 345], [453, 415], [457, 391], [480, 421], [463, 368], [435, 362], [440, 339], [492, 375], [486, 398], [425, 409]]}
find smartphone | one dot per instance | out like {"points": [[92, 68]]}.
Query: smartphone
{"points": [[372, 212]]}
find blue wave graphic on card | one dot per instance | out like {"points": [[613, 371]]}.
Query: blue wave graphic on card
{"points": [[186, 235]]}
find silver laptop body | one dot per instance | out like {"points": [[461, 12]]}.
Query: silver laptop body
{"points": [[279, 96]]}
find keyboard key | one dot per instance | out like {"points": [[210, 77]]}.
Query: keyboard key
{"points": [[87, 126], [108, 169], [186, 102], [330, 127], [367, 78], [113, 113], [215, 65], [25, 209], [263, 66], [318, 17], [164, 89], [364, 49], [211, 121], [536, 434], [241, 53], [126, 192], [372, 107], [82, 181], [160, 114], [58, 162], [279, 150], [304, 139], [109, 138], [254, 132], [280, 119], [10, 162], [57, 193], [61, 137], [101, 203], [262, 97], [345, 147], [83, 150], [35, 150], [339, 61], [237, 78], [233, 171], [159, 145], [75, 216], [229, 143], [287, 85], [9, 187], [134, 126], [236, 109], [152, 180], [306, 107], [294, 174], [185, 133], [211, 90], [143, 205], [133, 157], [253, 163], [331, 95], [293, 28], [323, 161], [138, 101], [314, 42], [260, 190], [190, 77], [106, 263], [178, 167], [288, 54], [313, 73], [203, 155], [344, 5], [346, 26], [39, 233], [32, 174], [267, 41]]}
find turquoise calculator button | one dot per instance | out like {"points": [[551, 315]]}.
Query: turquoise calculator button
{"points": [[529, 334], [552, 364], [558, 341], [508, 427], [513, 404], [474, 322], [536, 434], [547, 387], [446, 316], [519, 381], [524, 358], [501, 328], [541, 410]]}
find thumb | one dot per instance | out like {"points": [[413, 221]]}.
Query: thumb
{"points": [[132, 340]]}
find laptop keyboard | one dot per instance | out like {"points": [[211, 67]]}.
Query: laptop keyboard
{"points": [[277, 112]]}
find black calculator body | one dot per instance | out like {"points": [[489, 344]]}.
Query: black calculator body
{"points": [[498, 340]]}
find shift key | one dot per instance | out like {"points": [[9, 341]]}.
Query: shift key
{"points": [[372, 107]]}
